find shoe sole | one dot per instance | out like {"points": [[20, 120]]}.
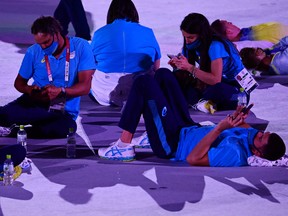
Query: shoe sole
{"points": [[118, 159], [143, 146]]}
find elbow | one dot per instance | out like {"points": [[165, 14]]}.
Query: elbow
{"points": [[86, 91], [86, 88], [191, 161], [157, 64], [196, 161], [17, 85]]}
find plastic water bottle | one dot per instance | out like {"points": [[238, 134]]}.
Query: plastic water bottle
{"points": [[8, 169], [22, 137], [71, 144], [242, 97]]}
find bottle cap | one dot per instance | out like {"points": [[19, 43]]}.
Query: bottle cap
{"points": [[8, 156], [21, 127], [71, 130]]}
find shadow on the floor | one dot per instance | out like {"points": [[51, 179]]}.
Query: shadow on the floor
{"points": [[16, 21], [175, 183]]}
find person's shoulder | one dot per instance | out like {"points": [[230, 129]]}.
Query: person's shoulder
{"points": [[78, 40], [134, 25], [145, 28], [34, 48], [79, 43], [216, 44]]}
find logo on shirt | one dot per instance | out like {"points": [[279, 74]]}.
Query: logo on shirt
{"points": [[72, 55], [164, 111]]}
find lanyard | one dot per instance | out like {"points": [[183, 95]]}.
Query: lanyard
{"points": [[67, 62]]}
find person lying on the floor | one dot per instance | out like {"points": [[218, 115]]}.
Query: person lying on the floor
{"points": [[270, 31], [61, 69], [173, 134], [273, 61]]}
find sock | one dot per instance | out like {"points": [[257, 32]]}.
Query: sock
{"points": [[123, 144]]}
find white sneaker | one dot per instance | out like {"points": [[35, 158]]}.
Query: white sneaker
{"points": [[26, 165], [117, 152], [141, 141], [205, 106]]}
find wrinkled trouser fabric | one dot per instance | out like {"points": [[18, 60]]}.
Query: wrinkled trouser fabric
{"points": [[45, 124], [164, 109]]}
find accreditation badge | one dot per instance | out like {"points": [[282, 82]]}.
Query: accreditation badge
{"points": [[246, 81], [58, 104]]}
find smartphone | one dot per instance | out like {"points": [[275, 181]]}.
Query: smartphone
{"points": [[36, 90], [171, 56], [246, 109]]}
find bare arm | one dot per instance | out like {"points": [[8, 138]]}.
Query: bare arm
{"points": [[199, 155], [33, 91], [82, 87], [22, 86], [211, 78], [157, 64]]}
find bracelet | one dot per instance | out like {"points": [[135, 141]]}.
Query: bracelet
{"points": [[194, 72], [63, 91]]}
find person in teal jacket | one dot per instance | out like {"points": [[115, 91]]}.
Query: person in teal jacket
{"points": [[272, 61]]}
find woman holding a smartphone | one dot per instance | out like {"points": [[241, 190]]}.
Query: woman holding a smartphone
{"points": [[210, 85]]}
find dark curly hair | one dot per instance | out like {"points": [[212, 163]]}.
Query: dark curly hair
{"points": [[248, 57], [275, 148], [46, 24], [218, 28]]}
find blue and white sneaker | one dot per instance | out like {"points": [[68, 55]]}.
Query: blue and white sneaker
{"points": [[142, 141], [118, 152]]}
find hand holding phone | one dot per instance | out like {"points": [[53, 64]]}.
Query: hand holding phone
{"points": [[171, 56], [246, 109]]}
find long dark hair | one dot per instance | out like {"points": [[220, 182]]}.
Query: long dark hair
{"points": [[122, 9], [195, 23]]}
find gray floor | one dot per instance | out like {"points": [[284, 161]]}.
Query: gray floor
{"points": [[88, 183]]}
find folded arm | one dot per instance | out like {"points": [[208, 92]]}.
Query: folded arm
{"points": [[50, 92], [199, 155]]}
